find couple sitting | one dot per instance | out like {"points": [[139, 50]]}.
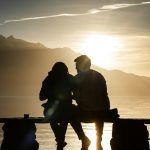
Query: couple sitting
{"points": [[89, 90]]}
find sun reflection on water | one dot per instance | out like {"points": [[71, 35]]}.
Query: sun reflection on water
{"points": [[91, 133]]}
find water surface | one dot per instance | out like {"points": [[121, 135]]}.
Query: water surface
{"points": [[128, 107]]}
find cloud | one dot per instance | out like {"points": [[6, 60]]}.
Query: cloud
{"points": [[41, 17], [123, 5], [145, 2], [89, 12]]}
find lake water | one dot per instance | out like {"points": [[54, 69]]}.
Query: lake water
{"points": [[128, 107]]}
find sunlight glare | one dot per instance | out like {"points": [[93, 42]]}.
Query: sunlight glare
{"points": [[91, 133], [101, 49]]}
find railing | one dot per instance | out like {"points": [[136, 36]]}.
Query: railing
{"points": [[127, 133], [43, 120]]}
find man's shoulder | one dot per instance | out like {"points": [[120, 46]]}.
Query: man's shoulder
{"points": [[97, 75], [91, 72], [94, 72]]}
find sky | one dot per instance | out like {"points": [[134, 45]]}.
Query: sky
{"points": [[115, 33]]}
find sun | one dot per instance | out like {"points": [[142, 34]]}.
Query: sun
{"points": [[101, 49]]}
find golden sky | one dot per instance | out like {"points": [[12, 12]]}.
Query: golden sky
{"points": [[114, 33]]}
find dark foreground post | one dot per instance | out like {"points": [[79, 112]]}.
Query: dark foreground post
{"points": [[19, 135], [129, 135]]}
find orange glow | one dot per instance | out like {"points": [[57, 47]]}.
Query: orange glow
{"points": [[101, 49]]}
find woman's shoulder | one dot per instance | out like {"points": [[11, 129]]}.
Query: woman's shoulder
{"points": [[70, 76]]}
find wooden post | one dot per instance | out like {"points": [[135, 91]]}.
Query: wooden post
{"points": [[19, 135], [129, 135]]}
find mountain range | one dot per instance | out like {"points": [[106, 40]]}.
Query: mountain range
{"points": [[23, 66]]}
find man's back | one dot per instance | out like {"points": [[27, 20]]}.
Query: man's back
{"points": [[92, 91]]}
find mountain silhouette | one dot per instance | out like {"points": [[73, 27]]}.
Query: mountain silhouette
{"points": [[24, 64]]}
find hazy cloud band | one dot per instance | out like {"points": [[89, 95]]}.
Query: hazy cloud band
{"points": [[89, 12]]}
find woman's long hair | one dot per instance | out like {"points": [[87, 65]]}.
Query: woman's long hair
{"points": [[60, 68]]}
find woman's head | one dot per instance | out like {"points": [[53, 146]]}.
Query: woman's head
{"points": [[60, 68]]}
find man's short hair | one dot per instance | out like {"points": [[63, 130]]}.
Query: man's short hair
{"points": [[84, 60]]}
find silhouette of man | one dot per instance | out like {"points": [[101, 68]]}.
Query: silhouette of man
{"points": [[57, 88], [91, 93]]}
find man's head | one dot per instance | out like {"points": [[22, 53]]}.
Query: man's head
{"points": [[83, 63]]}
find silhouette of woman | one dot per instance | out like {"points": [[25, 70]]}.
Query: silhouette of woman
{"points": [[57, 88]]}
